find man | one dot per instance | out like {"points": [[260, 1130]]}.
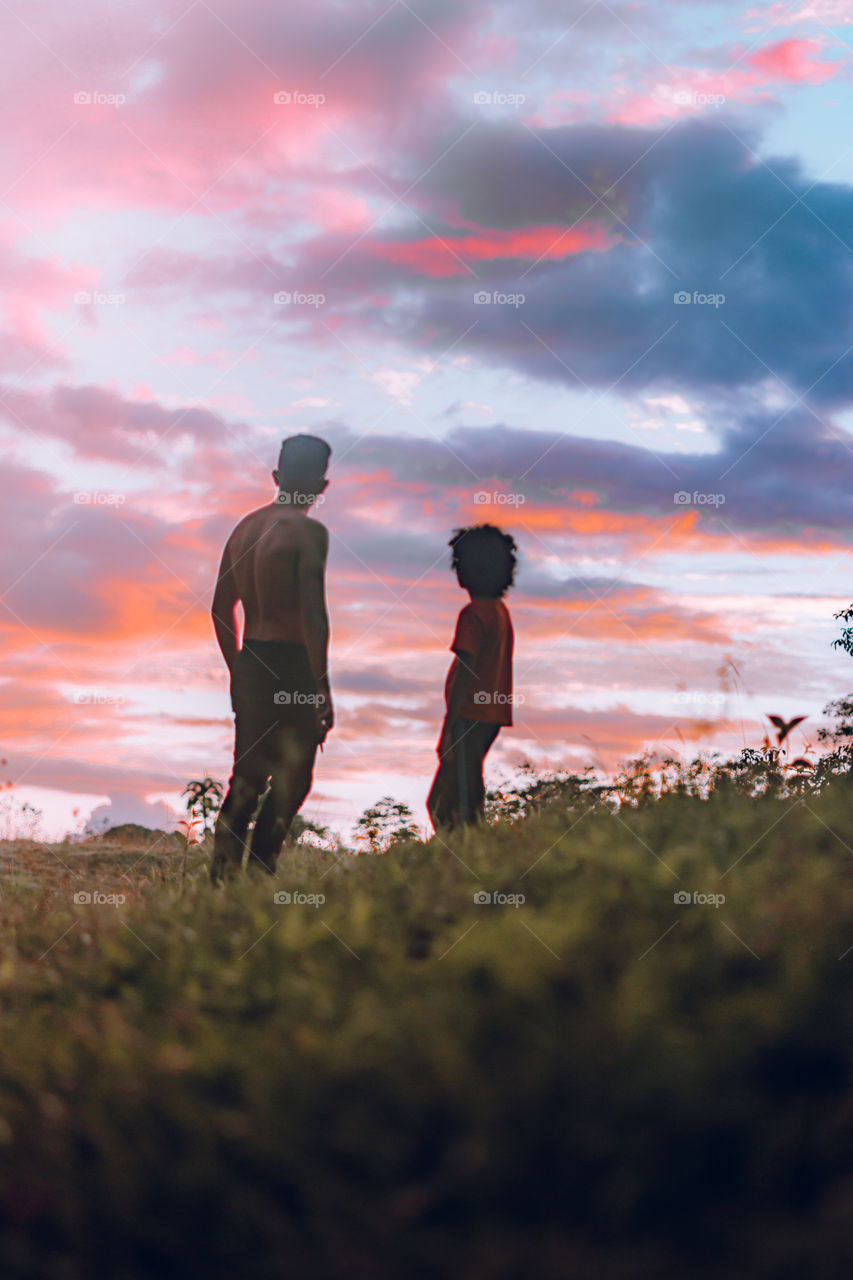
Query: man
{"points": [[274, 564]]}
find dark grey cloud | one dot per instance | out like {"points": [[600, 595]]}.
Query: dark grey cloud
{"points": [[693, 207], [776, 470]]}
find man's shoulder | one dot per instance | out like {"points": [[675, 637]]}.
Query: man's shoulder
{"points": [[316, 530], [249, 521]]}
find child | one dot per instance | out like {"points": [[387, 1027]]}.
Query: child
{"points": [[478, 690]]}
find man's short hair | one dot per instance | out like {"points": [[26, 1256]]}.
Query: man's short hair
{"points": [[484, 560], [302, 462]]}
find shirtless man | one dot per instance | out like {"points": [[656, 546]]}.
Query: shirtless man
{"points": [[274, 563]]}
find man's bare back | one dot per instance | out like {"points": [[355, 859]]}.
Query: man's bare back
{"points": [[274, 564], [265, 550]]}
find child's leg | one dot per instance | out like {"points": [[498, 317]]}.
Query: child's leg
{"points": [[472, 739], [482, 739]]}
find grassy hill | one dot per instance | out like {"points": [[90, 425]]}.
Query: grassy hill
{"points": [[386, 1077]]}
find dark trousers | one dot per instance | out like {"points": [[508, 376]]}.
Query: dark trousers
{"points": [[458, 793], [275, 742]]}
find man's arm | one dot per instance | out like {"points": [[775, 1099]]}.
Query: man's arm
{"points": [[315, 619], [459, 686], [223, 609]]}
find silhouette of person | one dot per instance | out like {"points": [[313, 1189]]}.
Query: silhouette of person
{"points": [[478, 689], [274, 564]]}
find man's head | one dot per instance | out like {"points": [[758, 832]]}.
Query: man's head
{"points": [[484, 560], [301, 471]]}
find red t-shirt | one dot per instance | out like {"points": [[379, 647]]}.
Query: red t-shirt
{"points": [[484, 630]]}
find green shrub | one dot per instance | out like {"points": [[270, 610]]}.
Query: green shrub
{"points": [[399, 1081]]}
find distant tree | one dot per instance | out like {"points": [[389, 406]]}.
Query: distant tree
{"points": [[305, 832], [845, 640], [839, 736], [388, 822], [204, 799], [532, 791]]}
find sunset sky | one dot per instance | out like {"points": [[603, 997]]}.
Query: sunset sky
{"points": [[483, 215]]}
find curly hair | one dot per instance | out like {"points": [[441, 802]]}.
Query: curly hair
{"points": [[484, 559]]}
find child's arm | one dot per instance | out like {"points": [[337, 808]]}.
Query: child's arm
{"points": [[460, 680]]}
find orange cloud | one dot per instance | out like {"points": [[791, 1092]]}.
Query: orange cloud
{"points": [[437, 257]]}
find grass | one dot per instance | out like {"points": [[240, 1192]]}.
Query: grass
{"points": [[402, 1081]]}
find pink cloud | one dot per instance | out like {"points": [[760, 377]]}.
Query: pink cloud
{"points": [[833, 13], [794, 61], [144, 118], [788, 61]]}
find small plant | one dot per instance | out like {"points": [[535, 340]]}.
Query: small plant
{"points": [[187, 833], [21, 821], [204, 799]]}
